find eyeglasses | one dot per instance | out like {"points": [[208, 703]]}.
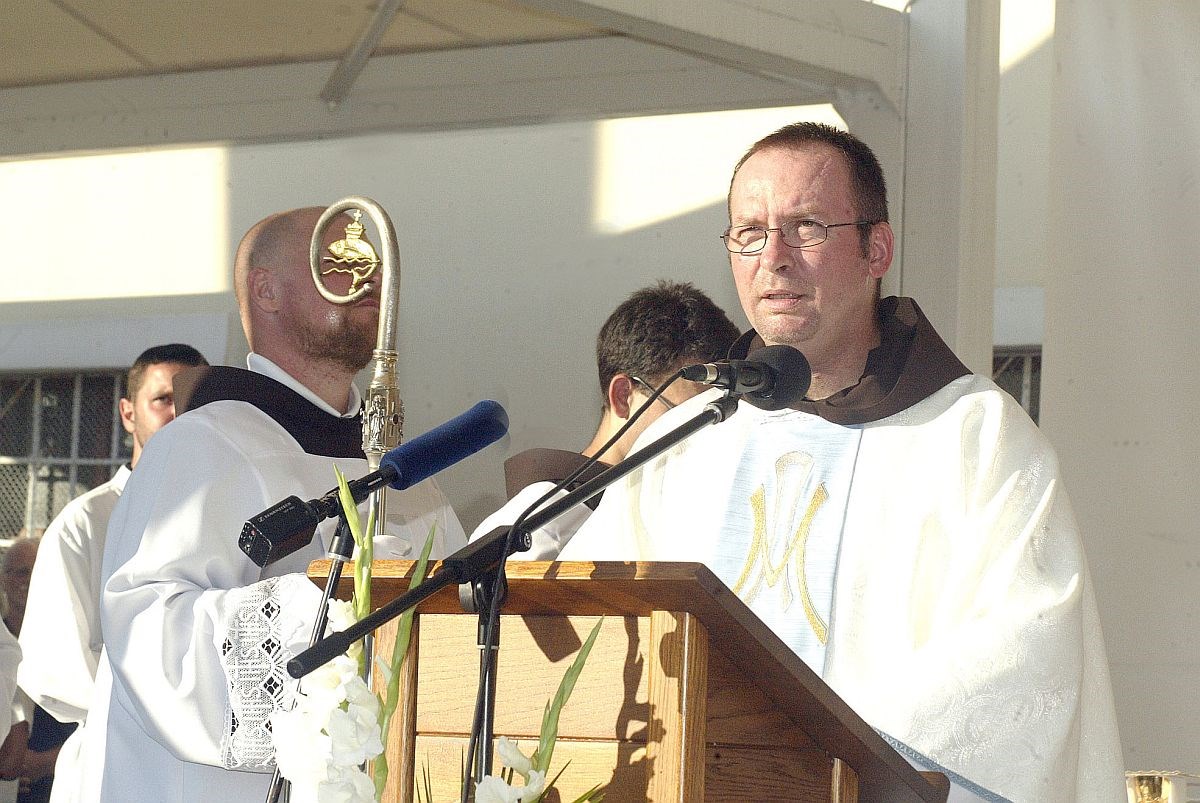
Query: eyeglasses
{"points": [[650, 392], [799, 233]]}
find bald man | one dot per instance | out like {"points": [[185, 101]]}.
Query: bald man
{"points": [[196, 635]]}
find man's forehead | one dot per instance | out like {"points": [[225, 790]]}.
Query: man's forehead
{"points": [[798, 176], [161, 373], [796, 163]]}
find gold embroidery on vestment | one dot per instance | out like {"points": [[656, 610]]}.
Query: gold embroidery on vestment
{"points": [[759, 554]]}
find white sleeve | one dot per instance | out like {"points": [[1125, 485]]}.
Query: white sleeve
{"points": [[60, 639], [186, 615], [549, 540], [411, 515]]}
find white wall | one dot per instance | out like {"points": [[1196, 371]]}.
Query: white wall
{"points": [[515, 245], [1120, 357], [1023, 170]]}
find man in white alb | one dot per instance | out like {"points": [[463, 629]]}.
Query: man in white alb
{"points": [[61, 638], [196, 635], [903, 529]]}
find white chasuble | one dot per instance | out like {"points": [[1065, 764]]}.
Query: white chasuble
{"points": [[940, 556]]}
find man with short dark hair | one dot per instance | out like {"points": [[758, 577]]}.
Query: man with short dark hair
{"points": [[197, 636], [651, 335], [62, 640], [149, 401], [903, 529]]}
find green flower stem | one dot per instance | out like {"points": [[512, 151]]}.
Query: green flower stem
{"points": [[549, 730], [390, 699]]}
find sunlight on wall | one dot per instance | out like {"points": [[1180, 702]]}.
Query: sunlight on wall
{"points": [[651, 169], [115, 225], [1024, 26]]}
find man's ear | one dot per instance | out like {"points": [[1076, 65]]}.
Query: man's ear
{"points": [[264, 289], [620, 390], [126, 408], [880, 249]]}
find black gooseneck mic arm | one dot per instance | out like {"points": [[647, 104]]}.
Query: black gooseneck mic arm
{"points": [[485, 554]]}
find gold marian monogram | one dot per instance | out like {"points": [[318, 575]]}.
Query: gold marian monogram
{"points": [[353, 254], [759, 565]]}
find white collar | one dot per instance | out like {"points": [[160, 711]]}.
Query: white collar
{"points": [[261, 365]]}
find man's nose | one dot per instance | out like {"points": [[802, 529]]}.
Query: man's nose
{"points": [[777, 255]]}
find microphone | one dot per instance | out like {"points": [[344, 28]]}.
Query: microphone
{"points": [[771, 378], [289, 525]]}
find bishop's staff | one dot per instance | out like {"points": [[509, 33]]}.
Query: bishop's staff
{"points": [[383, 410]]}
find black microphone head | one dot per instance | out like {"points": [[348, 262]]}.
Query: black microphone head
{"points": [[792, 377], [445, 445], [278, 531]]}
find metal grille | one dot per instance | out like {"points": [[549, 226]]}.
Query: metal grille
{"points": [[60, 435], [1018, 370]]}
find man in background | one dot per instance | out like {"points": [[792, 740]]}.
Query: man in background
{"points": [[62, 642], [650, 336]]}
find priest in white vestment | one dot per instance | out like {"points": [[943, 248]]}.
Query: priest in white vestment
{"points": [[61, 638], [196, 635], [904, 528]]}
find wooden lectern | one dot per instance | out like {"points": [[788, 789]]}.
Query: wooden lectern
{"points": [[687, 696]]}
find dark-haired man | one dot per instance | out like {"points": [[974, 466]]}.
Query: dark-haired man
{"points": [[903, 529], [61, 637], [197, 636], [651, 335]]}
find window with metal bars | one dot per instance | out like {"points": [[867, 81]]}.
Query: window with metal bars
{"points": [[1018, 370], [60, 435]]}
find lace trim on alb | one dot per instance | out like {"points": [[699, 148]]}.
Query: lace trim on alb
{"points": [[253, 658]]}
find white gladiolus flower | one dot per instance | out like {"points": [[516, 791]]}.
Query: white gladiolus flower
{"points": [[494, 789], [355, 734], [358, 695], [341, 614], [534, 785], [301, 749], [346, 785], [325, 688], [511, 756]]}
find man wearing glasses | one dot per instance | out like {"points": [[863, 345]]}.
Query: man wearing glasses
{"points": [[903, 528], [650, 336]]}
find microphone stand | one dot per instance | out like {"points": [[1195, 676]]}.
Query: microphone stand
{"points": [[484, 558], [486, 553], [341, 550]]}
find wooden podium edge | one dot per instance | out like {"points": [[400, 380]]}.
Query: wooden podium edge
{"points": [[547, 588]]}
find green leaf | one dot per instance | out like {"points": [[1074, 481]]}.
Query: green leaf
{"points": [[428, 796], [549, 731], [390, 698], [364, 542], [593, 795]]}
